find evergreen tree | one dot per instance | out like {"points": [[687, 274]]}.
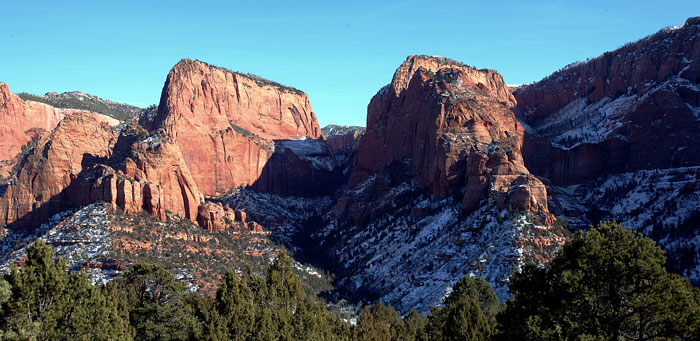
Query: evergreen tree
{"points": [[158, 304], [45, 302], [415, 326], [469, 312], [465, 321], [273, 307], [609, 283]]}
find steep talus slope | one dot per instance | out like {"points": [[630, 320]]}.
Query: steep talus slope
{"points": [[20, 121], [435, 174], [226, 123], [619, 136]]}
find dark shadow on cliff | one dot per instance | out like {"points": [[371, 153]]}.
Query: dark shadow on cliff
{"points": [[301, 168]]}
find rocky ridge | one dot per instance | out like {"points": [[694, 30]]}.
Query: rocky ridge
{"points": [[21, 121], [437, 177], [617, 136], [82, 101], [449, 127]]}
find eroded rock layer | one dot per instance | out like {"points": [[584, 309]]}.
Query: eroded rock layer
{"points": [[630, 109], [225, 123], [20, 121], [446, 126]]}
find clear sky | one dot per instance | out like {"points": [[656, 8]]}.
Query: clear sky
{"points": [[340, 53]]}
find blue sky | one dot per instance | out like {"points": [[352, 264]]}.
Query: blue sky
{"points": [[340, 53]]}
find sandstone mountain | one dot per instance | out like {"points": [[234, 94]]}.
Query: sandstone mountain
{"points": [[441, 157], [271, 136], [226, 123], [455, 174], [618, 135]]}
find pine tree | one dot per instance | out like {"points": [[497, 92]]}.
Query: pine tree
{"points": [[465, 321], [469, 312], [609, 283], [48, 303], [158, 307]]}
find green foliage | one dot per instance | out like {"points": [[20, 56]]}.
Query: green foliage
{"points": [[478, 290], [42, 301], [274, 307], [469, 312], [159, 308], [465, 321], [381, 322], [609, 283]]}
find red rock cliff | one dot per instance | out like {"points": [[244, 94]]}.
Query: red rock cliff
{"points": [[21, 120], [637, 107], [451, 123], [38, 190], [83, 160], [225, 122]]}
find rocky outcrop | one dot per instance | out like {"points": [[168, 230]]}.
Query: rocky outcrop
{"points": [[526, 193], [634, 108], [20, 121], [225, 123], [451, 127], [84, 160], [342, 139], [300, 168], [39, 188], [218, 217]]}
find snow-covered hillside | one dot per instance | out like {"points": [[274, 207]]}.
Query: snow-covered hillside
{"points": [[661, 203], [411, 256]]}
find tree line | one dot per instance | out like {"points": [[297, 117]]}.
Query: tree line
{"points": [[607, 284]]}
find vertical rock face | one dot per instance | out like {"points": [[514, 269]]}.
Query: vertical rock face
{"points": [[159, 178], [38, 190], [300, 168], [634, 108], [225, 122], [83, 160], [20, 121], [450, 124]]}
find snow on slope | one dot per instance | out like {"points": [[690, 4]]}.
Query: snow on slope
{"points": [[79, 237], [581, 121], [412, 260], [663, 204]]}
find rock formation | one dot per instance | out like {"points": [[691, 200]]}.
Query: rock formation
{"points": [[20, 121], [623, 129], [452, 128], [633, 108], [226, 123], [342, 139], [39, 188], [230, 130]]}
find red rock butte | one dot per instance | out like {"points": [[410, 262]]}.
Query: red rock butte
{"points": [[453, 125], [225, 122]]}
